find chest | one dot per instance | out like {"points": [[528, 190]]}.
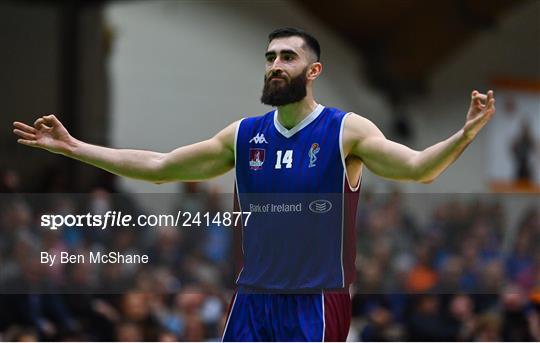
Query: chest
{"points": [[310, 161]]}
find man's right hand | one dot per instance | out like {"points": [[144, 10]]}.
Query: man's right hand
{"points": [[48, 133], [194, 162]]}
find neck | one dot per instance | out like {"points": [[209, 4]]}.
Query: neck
{"points": [[291, 114]]}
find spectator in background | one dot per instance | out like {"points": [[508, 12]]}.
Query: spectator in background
{"points": [[534, 315], [20, 334], [425, 321], [488, 328], [451, 275], [136, 311], [515, 315], [168, 248], [461, 316], [217, 241], [54, 180], [422, 277], [171, 319], [46, 313], [523, 147], [490, 286], [10, 181], [520, 258], [129, 332]]}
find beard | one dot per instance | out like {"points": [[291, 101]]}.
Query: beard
{"points": [[279, 93]]}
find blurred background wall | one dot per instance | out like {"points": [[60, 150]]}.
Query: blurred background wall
{"points": [[180, 72], [161, 74], [53, 61]]}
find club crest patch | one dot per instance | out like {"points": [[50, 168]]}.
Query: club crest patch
{"points": [[256, 158]]}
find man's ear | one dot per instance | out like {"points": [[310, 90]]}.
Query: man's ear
{"points": [[314, 70]]}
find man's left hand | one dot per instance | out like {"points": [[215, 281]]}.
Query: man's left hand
{"points": [[480, 112]]}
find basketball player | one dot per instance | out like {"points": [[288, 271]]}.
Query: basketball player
{"points": [[297, 254]]}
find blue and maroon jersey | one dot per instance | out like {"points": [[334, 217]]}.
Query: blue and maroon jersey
{"points": [[301, 233]]}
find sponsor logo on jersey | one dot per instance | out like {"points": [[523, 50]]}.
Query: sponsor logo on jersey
{"points": [[256, 158], [258, 139], [315, 148], [320, 206]]}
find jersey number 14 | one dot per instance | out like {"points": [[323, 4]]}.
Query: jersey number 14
{"points": [[286, 159]]}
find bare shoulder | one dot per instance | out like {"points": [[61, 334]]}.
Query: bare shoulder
{"points": [[359, 125], [356, 128]]}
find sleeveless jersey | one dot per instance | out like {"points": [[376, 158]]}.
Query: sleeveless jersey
{"points": [[301, 231]]}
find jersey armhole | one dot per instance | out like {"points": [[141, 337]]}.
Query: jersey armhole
{"points": [[236, 142], [237, 190], [353, 189]]}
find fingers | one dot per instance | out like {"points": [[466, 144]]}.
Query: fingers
{"points": [[489, 95], [490, 108], [479, 99], [51, 120], [24, 127], [486, 114], [46, 122], [27, 134], [38, 123], [474, 98], [28, 142], [490, 101], [24, 134]]}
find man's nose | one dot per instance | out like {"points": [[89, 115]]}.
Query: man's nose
{"points": [[276, 70], [277, 64]]}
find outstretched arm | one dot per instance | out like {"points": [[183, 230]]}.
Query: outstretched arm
{"points": [[396, 161], [198, 161]]}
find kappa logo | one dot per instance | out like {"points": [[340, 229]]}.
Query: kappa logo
{"points": [[258, 139]]}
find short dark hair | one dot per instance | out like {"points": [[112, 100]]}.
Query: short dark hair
{"points": [[309, 40]]}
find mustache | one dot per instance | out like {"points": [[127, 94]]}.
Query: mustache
{"points": [[273, 75]]}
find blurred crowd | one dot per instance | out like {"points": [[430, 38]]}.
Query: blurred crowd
{"points": [[182, 294], [462, 275]]}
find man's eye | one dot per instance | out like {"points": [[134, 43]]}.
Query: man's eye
{"points": [[288, 58], [269, 58]]}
